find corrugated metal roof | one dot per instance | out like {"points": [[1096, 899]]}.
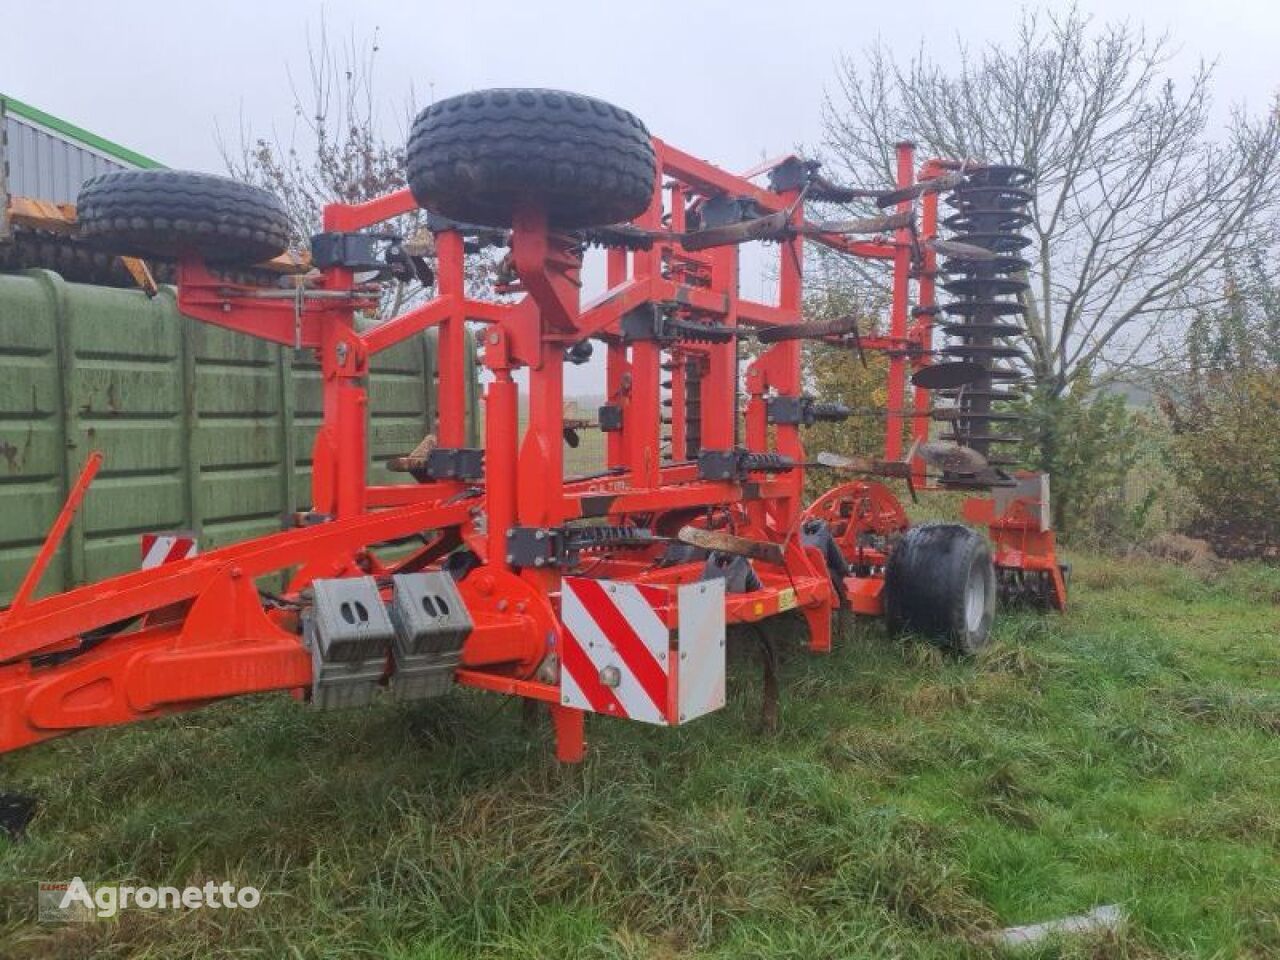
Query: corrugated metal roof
{"points": [[48, 158]]}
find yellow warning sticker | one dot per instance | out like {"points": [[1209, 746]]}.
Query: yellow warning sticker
{"points": [[787, 599]]}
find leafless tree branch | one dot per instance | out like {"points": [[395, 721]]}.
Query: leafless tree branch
{"points": [[1139, 205]]}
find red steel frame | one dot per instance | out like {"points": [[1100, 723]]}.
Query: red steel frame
{"points": [[187, 633]]}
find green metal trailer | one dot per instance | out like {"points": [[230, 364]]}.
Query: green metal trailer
{"points": [[202, 429]]}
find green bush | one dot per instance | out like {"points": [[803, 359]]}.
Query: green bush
{"points": [[1088, 442], [1230, 449]]}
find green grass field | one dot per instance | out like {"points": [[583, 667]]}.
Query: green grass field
{"points": [[1128, 753]]}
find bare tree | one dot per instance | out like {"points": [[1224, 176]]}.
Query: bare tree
{"points": [[338, 149], [1138, 205]]}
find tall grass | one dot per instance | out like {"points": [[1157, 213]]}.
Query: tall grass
{"points": [[908, 804]]}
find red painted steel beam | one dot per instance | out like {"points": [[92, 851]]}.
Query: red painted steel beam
{"points": [[54, 537], [900, 306], [346, 217], [434, 312], [55, 619]]}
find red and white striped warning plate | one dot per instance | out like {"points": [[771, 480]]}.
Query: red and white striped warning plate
{"points": [[158, 548], [617, 657]]}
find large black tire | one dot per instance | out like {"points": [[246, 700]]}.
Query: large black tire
{"points": [[165, 214], [479, 156], [67, 256], [940, 583]]}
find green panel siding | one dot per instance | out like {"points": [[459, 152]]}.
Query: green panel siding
{"points": [[198, 425]]}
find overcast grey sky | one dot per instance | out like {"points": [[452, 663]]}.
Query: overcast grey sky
{"points": [[731, 80]]}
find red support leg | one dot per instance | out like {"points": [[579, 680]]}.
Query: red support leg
{"points": [[719, 411], [501, 441], [923, 327], [452, 390], [898, 317], [643, 433], [818, 619], [616, 366], [570, 727]]}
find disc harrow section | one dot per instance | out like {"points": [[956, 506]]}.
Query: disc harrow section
{"points": [[984, 315]]}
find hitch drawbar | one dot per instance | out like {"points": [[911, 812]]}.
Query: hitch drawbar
{"points": [[350, 631]]}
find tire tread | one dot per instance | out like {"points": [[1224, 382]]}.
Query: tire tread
{"points": [[164, 213], [475, 156]]}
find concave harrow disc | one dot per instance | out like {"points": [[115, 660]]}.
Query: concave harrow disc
{"points": [[991, 209]]}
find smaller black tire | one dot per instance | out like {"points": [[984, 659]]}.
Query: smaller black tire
{"points": [[940, 583], [479, 156], [166, 214]]}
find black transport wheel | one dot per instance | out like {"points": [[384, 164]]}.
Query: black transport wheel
{"points": [[164, 214], [479, 156], [941, 584]]}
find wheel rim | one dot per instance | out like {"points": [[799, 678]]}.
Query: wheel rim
{"points": [[975, 600]]}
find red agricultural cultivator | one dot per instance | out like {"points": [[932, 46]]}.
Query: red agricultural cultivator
{"points": [[607, 593]]}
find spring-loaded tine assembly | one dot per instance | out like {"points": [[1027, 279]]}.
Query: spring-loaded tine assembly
{"points": [[718, 541], [769, 227], [809, 330], [952, 458], [918, 189], [885, 224], [961, 251]]}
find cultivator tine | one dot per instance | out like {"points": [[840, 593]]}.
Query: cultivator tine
{"points": [[901, 470], [952, 458], [769, 683], [812, 330], [769, 227], [719, 542], [894, 469], [910, 476], [848, 464], [571, 436], [970, 436], [947, 181], [773, 226], [962, 251], [824, 190], [953, 414], [885, 224]]}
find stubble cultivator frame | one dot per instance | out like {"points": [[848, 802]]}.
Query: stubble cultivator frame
{"points": [[573, 591]]}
